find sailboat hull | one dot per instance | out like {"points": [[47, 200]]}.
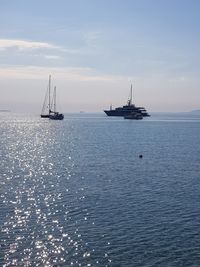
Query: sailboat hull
{"points": [[58, 116], [44, 116]]}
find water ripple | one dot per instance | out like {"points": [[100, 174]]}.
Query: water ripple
{"points": [[75, 193]]}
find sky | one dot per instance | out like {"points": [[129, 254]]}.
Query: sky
{"points": [[95, 50]]}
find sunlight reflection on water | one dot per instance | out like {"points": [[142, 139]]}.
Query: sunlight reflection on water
{"points": [[43, 208], [75, 193]]}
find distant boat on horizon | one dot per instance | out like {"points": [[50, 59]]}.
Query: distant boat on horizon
{"points": [[128, 109], [49, 106]]}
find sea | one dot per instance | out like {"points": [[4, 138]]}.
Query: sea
{"points": [[77, 192]]}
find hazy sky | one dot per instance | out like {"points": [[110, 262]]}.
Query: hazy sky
{"points": [[94, 50]]}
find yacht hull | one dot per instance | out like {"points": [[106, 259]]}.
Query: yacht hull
{"points": [[123, 113]]}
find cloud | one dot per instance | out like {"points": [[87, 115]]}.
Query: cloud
{"points": [[51, 57], [72, 74], [22, 44], [92, 38]]}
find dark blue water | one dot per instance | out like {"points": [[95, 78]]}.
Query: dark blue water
{"points": [[76, 193]]}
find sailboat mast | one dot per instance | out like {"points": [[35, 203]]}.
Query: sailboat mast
{"points": [[54, 99], [49, 94]]}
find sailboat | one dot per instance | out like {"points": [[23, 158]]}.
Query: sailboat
{"points": [[55, 115], [46, 108], [47, 111]]}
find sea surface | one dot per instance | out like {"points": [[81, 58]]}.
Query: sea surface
{"points": [[76, 193]]}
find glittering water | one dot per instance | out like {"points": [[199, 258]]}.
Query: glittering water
{"points": [[75, 192]]}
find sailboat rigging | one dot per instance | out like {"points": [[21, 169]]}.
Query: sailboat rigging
{"points": [[46, 105], [55, 115], [49, 108]]}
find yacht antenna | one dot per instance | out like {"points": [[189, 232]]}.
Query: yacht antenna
{"points": [[131, 95], [130, 98]]}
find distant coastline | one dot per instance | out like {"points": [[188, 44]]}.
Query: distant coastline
{"points": [[197, 111], [4, 110]]}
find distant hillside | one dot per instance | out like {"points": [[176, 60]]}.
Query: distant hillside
{"points": [[197, 111]]}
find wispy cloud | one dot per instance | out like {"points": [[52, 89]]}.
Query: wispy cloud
{"points": [[92, 38], [73, 74], [52, 57], [23, 44]]}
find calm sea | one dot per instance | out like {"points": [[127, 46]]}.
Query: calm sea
{"points": [[76, 193]]}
